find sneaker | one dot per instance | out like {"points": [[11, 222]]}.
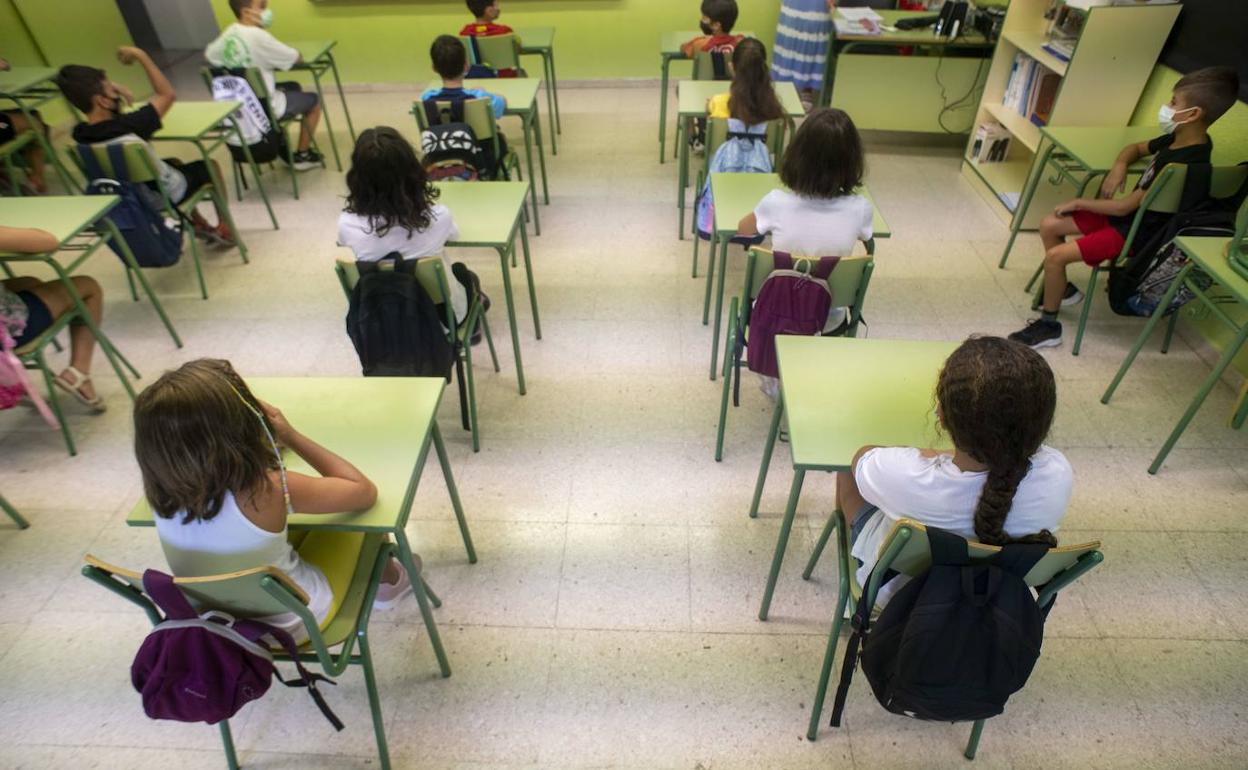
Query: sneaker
{"points": [[1072, 295], [306, 159], [390, 594], [1039, 333]]}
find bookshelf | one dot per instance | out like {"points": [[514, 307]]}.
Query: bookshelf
{"points": [[1112, 53]]}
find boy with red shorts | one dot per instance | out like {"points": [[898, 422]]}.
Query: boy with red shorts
{"points": [[1102, 224]]}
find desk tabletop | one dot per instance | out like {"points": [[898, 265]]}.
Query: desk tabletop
{"points": [[485, 213], [922, 36], [535, 38], [62, 215], [519, 93], [191, 120], [692, 96], [736, 195], [17, 79], [842, 393], [311, 50], [377, 423], [670, 42], [1096, 148], [1210, 254]]}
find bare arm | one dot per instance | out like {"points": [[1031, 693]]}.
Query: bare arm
{"points": [[340, 487], [1115, 207], [748, 225], [164, 95], [26, 239], [1116, 180], [848, 498]]}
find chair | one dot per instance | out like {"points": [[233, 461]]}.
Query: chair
{"points": [[479, 115], [906, 550], [706, 66], [13, 149], [848, 281], [268, 591], [141, 168], [432, 278], [498, 52], [256, 81], [8, 508]]}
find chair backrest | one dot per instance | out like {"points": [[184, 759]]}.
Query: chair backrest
{"points": [[848, 281], [140, 164], [429, 273], [478, 114], [717, 134], [705, 63], [254, 79], [497, 51]]}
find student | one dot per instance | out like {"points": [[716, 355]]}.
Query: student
{"points": [[450, 62], [208, 452], [718, 18], [28, 306], [802, 34], [1001, 484], [391, 207], [486, 12], [12, 123], [91, 92], [751, 98], [247, 43], [1101, 225]]}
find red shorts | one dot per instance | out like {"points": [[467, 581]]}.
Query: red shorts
{"points": [[1101, 240]]}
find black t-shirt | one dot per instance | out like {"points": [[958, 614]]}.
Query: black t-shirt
{"points": [[1193, 192], [142, 122]]}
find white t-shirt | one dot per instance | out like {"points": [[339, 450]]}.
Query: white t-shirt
{"points": [[243, 46], [814, 227], [357, 233], [932, 490]]}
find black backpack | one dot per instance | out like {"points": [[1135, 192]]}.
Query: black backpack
{"points": [[394, 325], [449, 144], [954, 644], [154, 239]]}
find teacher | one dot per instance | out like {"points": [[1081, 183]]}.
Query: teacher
{"points": [[802, 36]]}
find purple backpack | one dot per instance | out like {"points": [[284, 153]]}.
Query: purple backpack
{"points": [[790, 301], [194, 668]]}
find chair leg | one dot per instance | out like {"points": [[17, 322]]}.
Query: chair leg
{"points": [[463, 391], [222, 204], [199, 269], [227, 741], [13, 514], [822, 543], [695, 254], [829, 656], [1083, 311], [1173, 322], [472, 401], [489, 342], [55, 402], [972, 745], [729, 345], [374, 700], [1034, 277]]}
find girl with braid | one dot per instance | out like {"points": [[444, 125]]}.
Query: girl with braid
{"points": [[1001, 484]]}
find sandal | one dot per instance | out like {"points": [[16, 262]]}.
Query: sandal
{"points": [[74, 388]]}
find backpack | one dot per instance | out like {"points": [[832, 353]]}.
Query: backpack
{"points": [[449, 144], [265, 141], [745, 151], [394, 325], [1170, 262], [955, 643], [155, 240], [194, 668], [790, 301], [14, 384]]}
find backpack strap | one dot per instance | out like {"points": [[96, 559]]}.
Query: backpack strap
{"points": [[168, 597], [90, 163], [257, 631], [820, 268], [719, 65], [861, 625], [117, 157], [782, 260], [947, 548]]}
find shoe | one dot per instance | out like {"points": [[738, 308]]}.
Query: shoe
{"points": [[1072, 295], [306, 159], [72, 381], [1039, 333], [390, 594]]}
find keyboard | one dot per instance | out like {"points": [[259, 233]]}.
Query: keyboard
{"points": [[917, 22]]}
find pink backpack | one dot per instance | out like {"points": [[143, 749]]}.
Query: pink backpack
{"points": [[14, 384]]}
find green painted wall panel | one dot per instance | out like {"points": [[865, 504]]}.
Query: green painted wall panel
{"points": [[16, 44], [901, 93]]}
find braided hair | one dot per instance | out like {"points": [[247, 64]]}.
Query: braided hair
{"points": [[996, 399]]}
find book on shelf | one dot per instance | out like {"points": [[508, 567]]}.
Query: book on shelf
{"points": [[1031, 89], [991, 144], [1044, 97]]}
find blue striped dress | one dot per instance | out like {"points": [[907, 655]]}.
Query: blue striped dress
{"points": [[801, 43]]}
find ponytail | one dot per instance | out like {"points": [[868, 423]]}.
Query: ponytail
{"points": [[752, 97]]}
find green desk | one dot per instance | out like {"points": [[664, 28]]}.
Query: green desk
{"points": [[382, 425], [1209, 256], [317, 57], [737, 195], [30, 88], [917, 38], [207, 125], [1077, 154], [540, 41], [691, 100], [488, 215], [842, 394], [669, 50], [17, 518], [71, 219]]}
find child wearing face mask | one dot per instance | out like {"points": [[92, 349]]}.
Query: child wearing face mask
{"points": [[1100, 225], [718, 19], [101, 100]]}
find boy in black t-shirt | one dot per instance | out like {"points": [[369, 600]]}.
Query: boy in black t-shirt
{"points": [[1102, 224], [101, 100]]}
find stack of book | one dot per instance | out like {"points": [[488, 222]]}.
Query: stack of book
{"points": [[1031, 89], [992, 143], [1065, 24]]}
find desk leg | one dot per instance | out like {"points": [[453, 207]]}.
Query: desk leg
{"points": [[255, 172], [665, 65], [133, 267], [451, 489], [550, 99], [329, 126], [511, 311], [422, 599], [719, 301], [115, 358], [829, 74], [526, 124], [342, 96], [541, 152], [554, 90], [777, 414], [682, 175], [1024, 201], [528, 271], [710, 276], [782, 542]]}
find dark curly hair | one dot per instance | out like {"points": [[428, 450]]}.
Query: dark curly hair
{"points": [[387, 183], [825, 158], [996, 400], [752, 97]]}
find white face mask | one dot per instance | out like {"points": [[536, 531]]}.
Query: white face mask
{"points": [[266, 18], [1165, 117]]}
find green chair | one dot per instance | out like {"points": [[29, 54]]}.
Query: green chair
{"points": [[498, 52], [479, 115], [8, 508], [268, 591], [11, 150], [705, 65], [142, 169], [432, 278], [906, 550], [848, 281]]}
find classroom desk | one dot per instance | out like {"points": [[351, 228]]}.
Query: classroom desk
{"points": [[669, 50], [204, 124], [1208, 255], [317, 57], [70, 219], [540, 41], [735, 196], [488, 215], [691, 100], [30, 88], [382, 425], [918, 38], [1078, 154], [842, 394]]}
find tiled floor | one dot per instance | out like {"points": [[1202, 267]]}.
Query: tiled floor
{"points": [[610, 621]]}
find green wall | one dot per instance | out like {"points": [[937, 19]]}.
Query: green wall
{"points": [[1230, 146], [388, 40]]}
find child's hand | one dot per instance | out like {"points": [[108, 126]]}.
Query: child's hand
{"points": [[1115, 181], [126, 94], [1066, 209], [282, 431], [128, 54]]}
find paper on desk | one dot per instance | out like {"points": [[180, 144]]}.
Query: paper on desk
{"points": [[857, 21], [859, 14]]}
